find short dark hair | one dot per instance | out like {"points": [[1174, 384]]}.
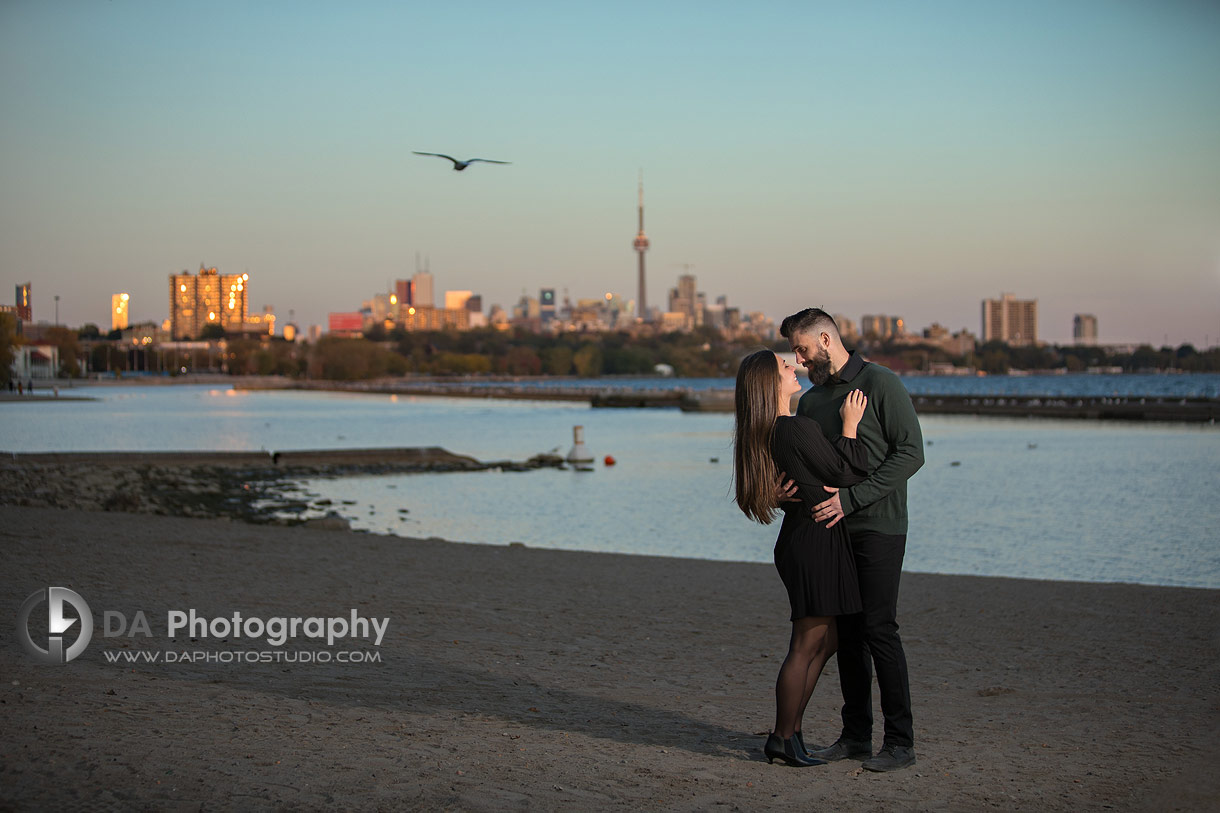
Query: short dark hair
{"points": [[806, 321]]}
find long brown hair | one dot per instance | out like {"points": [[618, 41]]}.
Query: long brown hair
{"points": [[757, 404]]}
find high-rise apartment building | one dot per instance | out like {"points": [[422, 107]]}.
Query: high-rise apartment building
{"points": [[457, 299], [1084, 328], [25, 309], [118, 311], [847, 328], [1010, 320], [208, 298]]}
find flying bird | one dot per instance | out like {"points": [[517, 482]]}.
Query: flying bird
{"points": [[458, 166]]}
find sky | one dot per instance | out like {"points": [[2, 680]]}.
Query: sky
{"points": [[898, 158]]}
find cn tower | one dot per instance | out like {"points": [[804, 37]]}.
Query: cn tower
{"points": [[641, 245]]}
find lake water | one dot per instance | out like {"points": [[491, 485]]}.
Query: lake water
{"points": [[1047, 499]]}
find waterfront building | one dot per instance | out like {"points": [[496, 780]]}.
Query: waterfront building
{"points": [[1010, 320], [118, 311], [957, 344], [1084, 329], [35, 361], [25, 307], [208, 298], [847, 328], [876, 326]]}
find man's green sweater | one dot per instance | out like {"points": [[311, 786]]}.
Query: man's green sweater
{"points": [[890, 432]]}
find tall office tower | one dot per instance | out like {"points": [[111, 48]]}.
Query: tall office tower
{"points": [[25, 310], [685, 300], [546, 304], [641, 245], [1010, 320], [402, 290], [686, 290], [210, 298], [421, 290], [118, 311], [1084, 328]]}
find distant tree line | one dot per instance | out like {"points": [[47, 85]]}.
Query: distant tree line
{"points": [[998, 358], [701, 353]]}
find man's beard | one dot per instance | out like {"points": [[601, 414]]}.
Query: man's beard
{"points": [[818, 368]]}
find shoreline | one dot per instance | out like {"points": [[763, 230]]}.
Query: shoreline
{"points": [[529, 678], [603, 393]]}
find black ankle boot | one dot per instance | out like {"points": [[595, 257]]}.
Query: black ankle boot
{"points": [[790, 751]]}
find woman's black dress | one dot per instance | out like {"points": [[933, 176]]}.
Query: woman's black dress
{"points": [[815, 562]]}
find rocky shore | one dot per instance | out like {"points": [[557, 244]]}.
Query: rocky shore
{"points": [[255, 487]]}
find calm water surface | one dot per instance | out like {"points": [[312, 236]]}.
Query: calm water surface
{"points": [[1075, 500]]}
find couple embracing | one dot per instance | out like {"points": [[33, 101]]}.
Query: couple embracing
{"points": [[848, 453]]}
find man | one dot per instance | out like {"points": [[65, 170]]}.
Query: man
{"points": [[876, 516]]}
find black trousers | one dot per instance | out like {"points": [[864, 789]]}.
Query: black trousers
{"points": [[871, 639]]}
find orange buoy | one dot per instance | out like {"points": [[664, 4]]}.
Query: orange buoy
{"points": [[609, 461]]}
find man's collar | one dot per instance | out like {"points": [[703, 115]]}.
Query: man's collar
{"points": [[855, 363]]}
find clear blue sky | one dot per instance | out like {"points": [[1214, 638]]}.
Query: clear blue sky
{"points": [[900, 158]]}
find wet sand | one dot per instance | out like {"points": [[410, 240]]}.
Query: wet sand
{"points": [[515, 678]]}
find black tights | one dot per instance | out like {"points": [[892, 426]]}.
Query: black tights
{"points": [[814, 640]]}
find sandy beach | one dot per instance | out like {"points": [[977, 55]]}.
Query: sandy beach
{"points": [[516, 678]]}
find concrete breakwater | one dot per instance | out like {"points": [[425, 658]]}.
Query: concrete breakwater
{"points": [[1191, 410], [1127, 408], [249, 486]]}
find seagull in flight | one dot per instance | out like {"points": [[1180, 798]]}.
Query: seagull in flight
{"points": [[458, 166]]}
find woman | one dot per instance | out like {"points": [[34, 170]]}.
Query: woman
{"points": [[814, 562]]}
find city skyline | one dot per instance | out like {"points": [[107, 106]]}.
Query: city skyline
{"points": [[913, 161]]}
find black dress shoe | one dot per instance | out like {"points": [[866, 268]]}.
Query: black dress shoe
{"points": [[789, 751], [891, 758], [844, 749]]}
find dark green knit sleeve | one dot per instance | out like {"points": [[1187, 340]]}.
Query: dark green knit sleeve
{"points": [[904, 441]]}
